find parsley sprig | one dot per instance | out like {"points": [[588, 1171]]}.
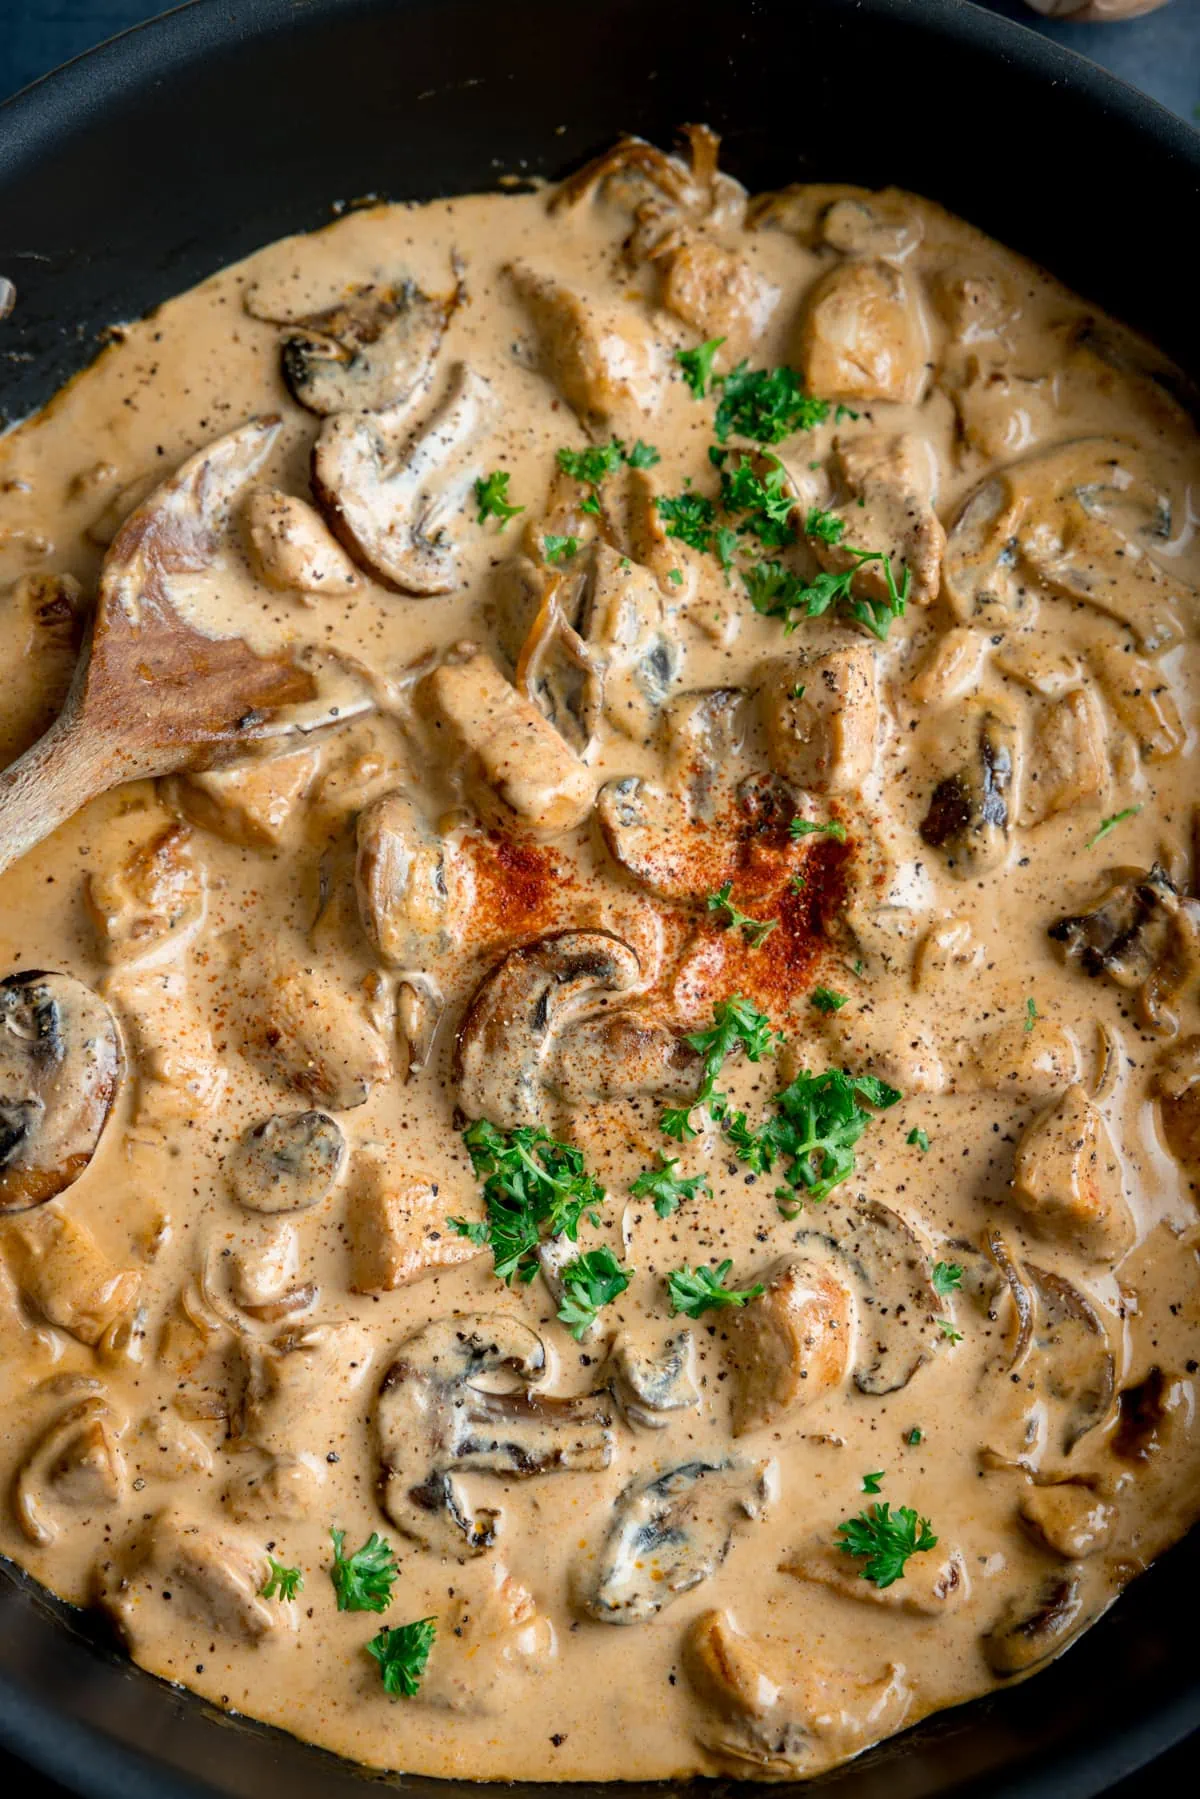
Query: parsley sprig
{"points": [[698, 1290], [533, 1186], [764, 501], [559, 549], [364, 1579], [491, 495], [766, 405], [754, 930], [593, 466], [667, 1189], [697, 365], [947, 1278], [817, 1123], [884, 1542], [591, 1281], [402, 1654], [1110, 824], [775, 592], [689, 517], [735, 1022], [282, 1581]]}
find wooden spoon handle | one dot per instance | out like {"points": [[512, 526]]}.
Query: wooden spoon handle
{"points": [[49, 783]]}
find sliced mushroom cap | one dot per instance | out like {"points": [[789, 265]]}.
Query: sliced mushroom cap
{"points": [[435, 1422], [1035, 1626], [1067, 1179], [372, 350], [1150, 1413], [515, 1012], [415, 885], [1142, 935], [391, 502], [1068, 1519], [60, 1062], [288, 1163], [893, 1278], [651, 1386], [669, 1532], [862, 336], [75, 1465], [970, 813], [794, 1343], [1062, 1355], [1079, 521], [605, 362], [932, 1586], [291, 548], [174, 1566]]}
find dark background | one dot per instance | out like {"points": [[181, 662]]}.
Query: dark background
{"points": [[1159, 54]]}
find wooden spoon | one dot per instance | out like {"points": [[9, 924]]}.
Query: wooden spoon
{"points": [[152, 694]]}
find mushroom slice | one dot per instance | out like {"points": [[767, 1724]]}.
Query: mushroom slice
{"points": [[1074, 1364], [415, 885], [396, 1225], [1078, 521], [1068, 1519], [1141, 935], [253, 803], [75, 1465], [60, 1062], [288, 1163], [1141, 695], [434, 1421], [498, 1642], [1150, 1412], [887, 501], [821, 716], [651, 1386], [512, 760], [389, 503], [669, 1533], [970, 812], [620, 1055], [862, 336], [1033, 1627], [1177, 1085], [604, 361], [934, 1586], [893, 1275], [793, 1344], [212, 1580], [1067, 761], [372, 350], [314, 1034], [624, 623], [291, 549], [515, 1012], [1067, 1180]]}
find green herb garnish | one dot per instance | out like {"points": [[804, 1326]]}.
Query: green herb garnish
{"points": [[947, 1278], [951, 1333], [591, 1281], [735, 1021], [559, 549], [827, 527], [807, 827], [777, 593], [885, 1542], [697, 365], [688, 517], [533, 1186], [754, 930], [402, 1654], [667, 1189], [766, 405], [697, 1290], [363, 1581], [1031, 1013], [918, 1138], [871, 1482], [491, 494], [284, 1582], [1110, 824], [826, 1000]]}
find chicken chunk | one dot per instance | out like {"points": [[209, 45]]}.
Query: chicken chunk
{"points": [[1025, 1065], [291, 547], [1067, 761], [952, 668], [252, 803], [63, 1275], [1142, 697], [396, 1223], [313, 1032], [209, 1579], [933, 1585], [717, 293], [498, 1641], [1177, 1085], [821, 715], [792, 1344], [1067, 1179], [886, 503], [604, 360], [415, 885], [862, 336], [1068, 1519], [513, 761], [179, 1073], [153, 902]]}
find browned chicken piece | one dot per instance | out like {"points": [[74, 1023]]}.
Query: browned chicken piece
{"points": [[298, 1384], [179, 1073], [313, 1032], [821, 715], [75, 1466], [935, 1583], [1067, 760], [152, 902], [886, 503], [1068, 1519], [514, 762], [862, 336], [718, 293], [1068, 1183], [1177, 1085], [792, 1345], [1141, 695], [253, 803], [396, 1225], [64, 1276], [497, 1642], [211, 1579], [605, 361], [291, 548], [688, 579], [415, 885], [1023, 1064], [1040, 668]]}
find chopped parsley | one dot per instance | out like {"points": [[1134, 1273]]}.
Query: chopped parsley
{"points": [[491, 494], [725, 543], [827, 527], [402, 1654], [591, 1281], [595, 464], [533, 1186], [697, 365], [947, 1278], [754, 930], [951, 1333], [363, 1581], [591, 505], [766, 405], [675, 577], [667, 1189], [284, 1582], [1110, 824], [697, 1290], [642, 455], [914, 1436], [777, 593], [883, 1542], [807, 827], [559, 549], [1031, 1013], [918, 1138], [871, 1481], [826, 1000], [735, 1021], [818, 1120], [690, 518], [765, 501]]}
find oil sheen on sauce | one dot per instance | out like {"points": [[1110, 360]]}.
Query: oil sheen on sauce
{"points": [[194, 1355]]}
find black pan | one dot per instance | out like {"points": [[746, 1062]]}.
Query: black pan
{"points": [[142, 167]]}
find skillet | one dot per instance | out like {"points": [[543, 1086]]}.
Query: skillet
{"points": [[138, 169]]}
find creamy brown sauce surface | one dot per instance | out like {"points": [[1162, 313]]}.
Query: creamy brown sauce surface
{"points": [[234, 1313]]}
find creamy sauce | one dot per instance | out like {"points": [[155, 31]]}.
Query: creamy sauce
{"points": [[166, 1419]]}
